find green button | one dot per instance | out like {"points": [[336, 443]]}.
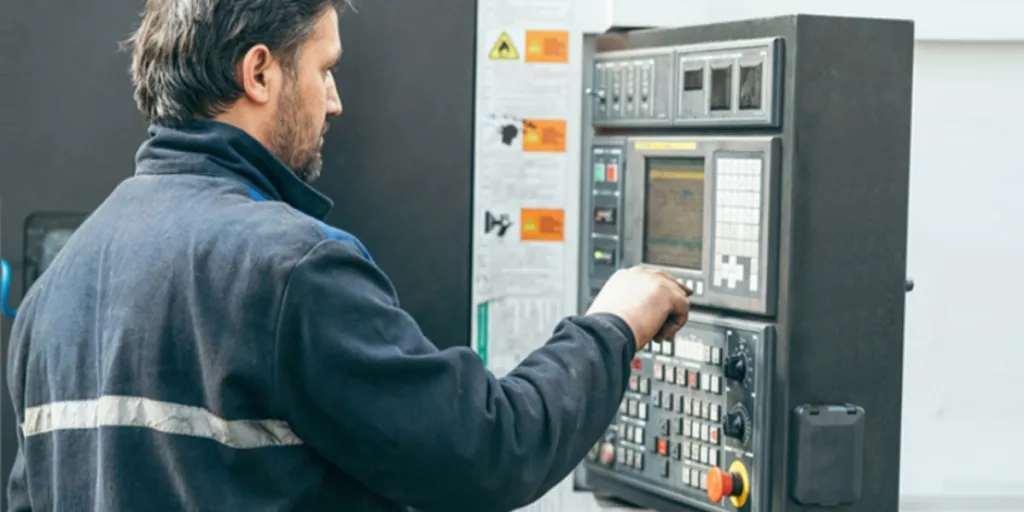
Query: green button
{"points": [[598, 172]]}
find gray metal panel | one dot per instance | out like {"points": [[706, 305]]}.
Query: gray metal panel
{"points": [[759, 296]]}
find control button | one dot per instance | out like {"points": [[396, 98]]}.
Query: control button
{"points": [[642, 410], [656, 398], [687, 405], [670, 374], [687, 429], [638, 364], [623, 407], [704, 454], [655, 346], [695, 429], [735, 368], [680, 424], [622, 430], [666, 428], [716, 384], [664, 469], [634, 382], [677, 451], [716, 412], [612, 172], [680, 402], [632, 408], [666, 348], [645, 386], [607, 454], [706, 410], [705, 382], [698, 408], [686, 476], [638, 435], [620, 455], [604, 215], [704, 434], [604, 257], [662, 446], [638, 460], [703, 480], [734, 425], [629, 457], [722, 483], [693, 379], [599, 172], [713, 457], [629, 432], [705, 354], [700, 288], [713, 435], [716, 356], [659, 371], [670, 401]]}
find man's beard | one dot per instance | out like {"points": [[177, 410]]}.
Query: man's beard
{"points": [[291, 140]]}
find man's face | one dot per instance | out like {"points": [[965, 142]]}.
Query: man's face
{"points": [[308, 96]]}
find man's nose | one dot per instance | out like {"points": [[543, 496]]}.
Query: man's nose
{"points": [[333, 100]]}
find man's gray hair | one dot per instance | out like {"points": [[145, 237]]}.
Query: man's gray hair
{"points": [[185, 52]]}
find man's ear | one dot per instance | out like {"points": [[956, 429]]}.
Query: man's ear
{"points": [[258, 73]]}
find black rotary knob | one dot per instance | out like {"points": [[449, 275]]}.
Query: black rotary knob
{"points": [[735, 368], [734, 425]]}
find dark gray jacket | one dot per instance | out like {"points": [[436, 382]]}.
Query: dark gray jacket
{"points": [[205, 342]]}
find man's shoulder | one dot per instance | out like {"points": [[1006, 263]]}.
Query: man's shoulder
{"points": [[274, 227]]}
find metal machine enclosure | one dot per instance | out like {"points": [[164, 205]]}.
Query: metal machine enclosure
{"points": [[765, 164]]}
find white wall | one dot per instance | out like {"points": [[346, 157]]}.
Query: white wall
{"points": [[962, 418]]}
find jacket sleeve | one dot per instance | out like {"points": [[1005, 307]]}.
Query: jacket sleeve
{"points": [[17, 486], [433, 429]]}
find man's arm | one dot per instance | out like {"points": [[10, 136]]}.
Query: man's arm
{"points": [[359, 383]]}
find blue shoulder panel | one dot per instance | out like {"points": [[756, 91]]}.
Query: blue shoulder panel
{"points": [[331, 232]]}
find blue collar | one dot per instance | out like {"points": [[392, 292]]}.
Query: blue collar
{"points": [[206, 147]]}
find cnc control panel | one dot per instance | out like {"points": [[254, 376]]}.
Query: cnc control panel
{"points": [[694, 416]]}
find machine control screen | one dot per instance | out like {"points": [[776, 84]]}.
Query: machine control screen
{"points": [[674, 224]]}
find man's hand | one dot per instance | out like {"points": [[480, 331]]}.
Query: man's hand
{"points": [[650, 301]]}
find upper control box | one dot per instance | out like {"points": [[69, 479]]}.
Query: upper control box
{"points": [[732, 83]]}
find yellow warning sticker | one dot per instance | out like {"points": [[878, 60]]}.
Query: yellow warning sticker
{"points": [[504, 49]]}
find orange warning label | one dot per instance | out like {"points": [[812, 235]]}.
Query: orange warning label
{"points": [[550, 46], [540, 225], [544, 135]]}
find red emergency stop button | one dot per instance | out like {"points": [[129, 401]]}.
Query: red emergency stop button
{"points": [[722, 484]]}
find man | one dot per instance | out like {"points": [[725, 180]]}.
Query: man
{"points": [[204, 342]]}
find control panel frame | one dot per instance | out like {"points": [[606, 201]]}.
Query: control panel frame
{"points": [[762, 360], [711, 149], [672, 102]]}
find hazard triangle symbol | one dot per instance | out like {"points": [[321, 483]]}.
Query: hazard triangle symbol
{"points": [[504, 49]]}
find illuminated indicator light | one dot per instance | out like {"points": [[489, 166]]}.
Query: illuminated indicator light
{"points": [[613, 173], [598, 172]]}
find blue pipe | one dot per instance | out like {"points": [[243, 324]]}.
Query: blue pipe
{"points": [[5, 290]]}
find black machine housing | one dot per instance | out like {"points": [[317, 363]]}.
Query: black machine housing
{"points": [[765, 164]]}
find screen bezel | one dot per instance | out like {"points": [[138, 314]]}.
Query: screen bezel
{"points": [[639, 149]]}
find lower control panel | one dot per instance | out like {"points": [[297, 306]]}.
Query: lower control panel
{"points": [[693, 427]]}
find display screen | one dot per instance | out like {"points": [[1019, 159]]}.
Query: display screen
{"points": [[674, 219]]}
